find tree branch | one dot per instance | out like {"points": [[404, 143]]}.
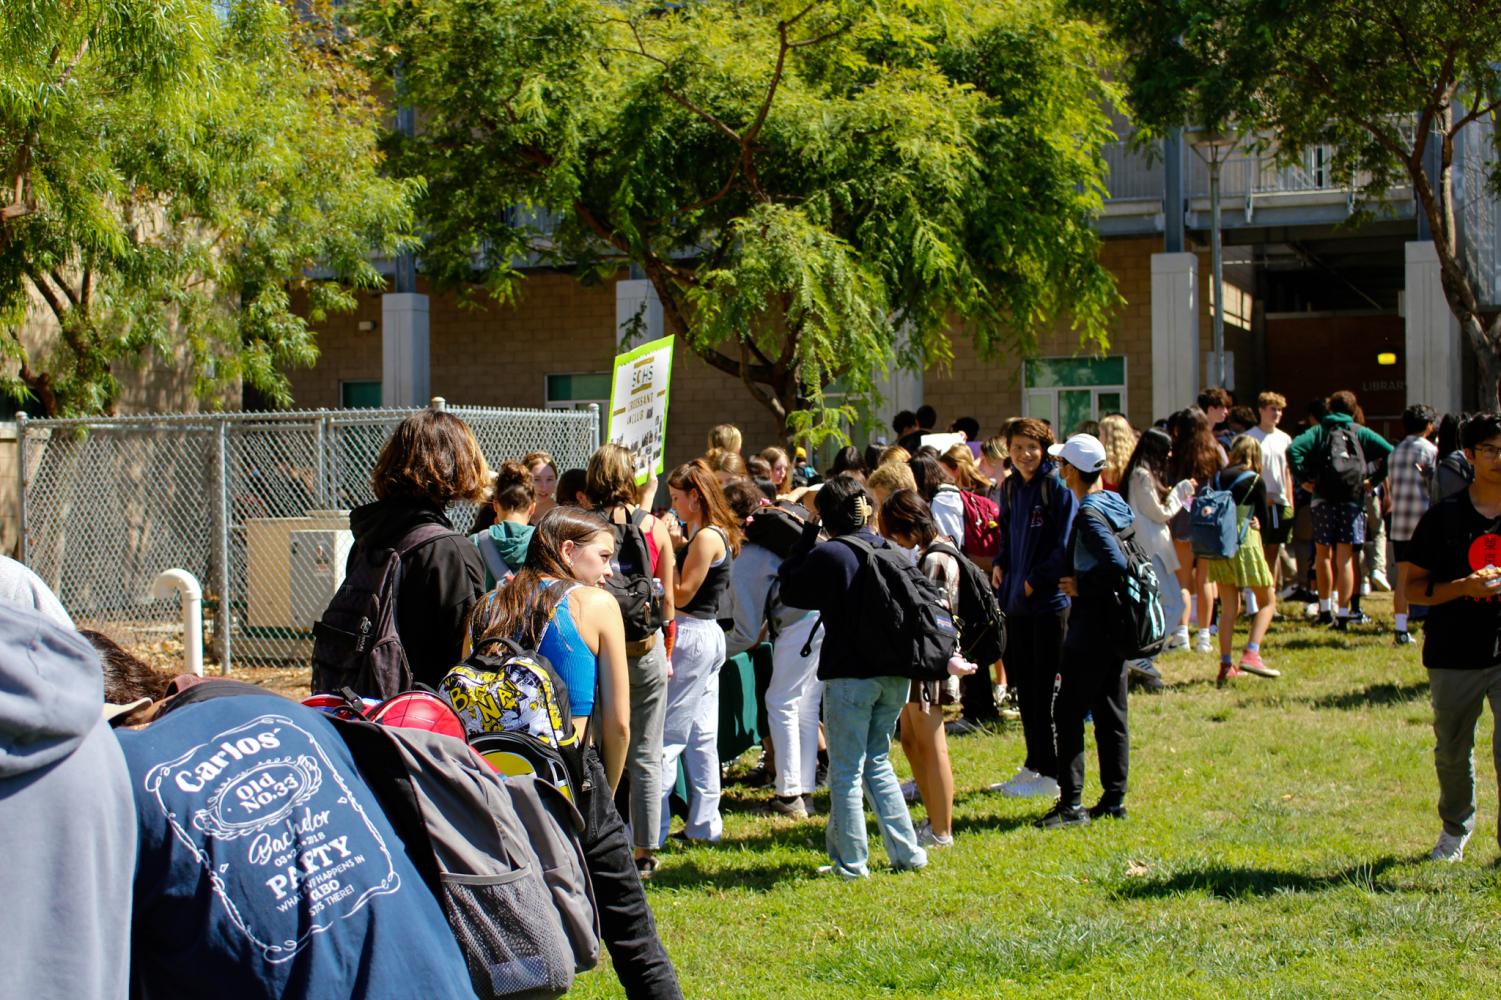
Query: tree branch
{"points": [[50, 296]]}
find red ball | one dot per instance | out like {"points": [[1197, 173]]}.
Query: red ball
{"points": [[420, 710]]}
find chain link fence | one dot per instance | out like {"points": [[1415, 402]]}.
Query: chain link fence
{"points": [[255, 505]]}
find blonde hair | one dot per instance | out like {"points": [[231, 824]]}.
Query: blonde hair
{"points": [[890, 477], [961, 462], [1246, 450], [724, 437], [1119, 441], [995, 449], [1271, 399], [895, 453]]}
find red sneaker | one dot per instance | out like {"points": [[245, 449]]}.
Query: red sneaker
{"points": [[1228, 673], [1251, 663]]}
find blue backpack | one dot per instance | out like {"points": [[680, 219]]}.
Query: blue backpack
{"points": [[1215, 529]]}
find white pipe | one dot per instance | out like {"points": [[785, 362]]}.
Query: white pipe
{"points": [[181, 582]]}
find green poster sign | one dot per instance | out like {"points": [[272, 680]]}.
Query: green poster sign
{"points": [[638, 404]]}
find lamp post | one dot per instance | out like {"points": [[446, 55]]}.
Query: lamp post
{"points": [[1214, 148]]}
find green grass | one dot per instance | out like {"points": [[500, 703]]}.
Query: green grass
{"points": [[1276, 848]]}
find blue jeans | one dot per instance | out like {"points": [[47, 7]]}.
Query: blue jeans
{"points": [[859, 716]]}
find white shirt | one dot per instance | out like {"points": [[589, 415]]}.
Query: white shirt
{"points": [[1274, 470], [948, 514]]}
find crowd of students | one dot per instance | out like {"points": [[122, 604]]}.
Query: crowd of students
{"points": [[737, 551]]}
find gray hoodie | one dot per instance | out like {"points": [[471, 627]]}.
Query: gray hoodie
{"points": [[67, 818]]}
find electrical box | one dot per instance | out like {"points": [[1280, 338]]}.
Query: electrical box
{"points": [[316, 561]]}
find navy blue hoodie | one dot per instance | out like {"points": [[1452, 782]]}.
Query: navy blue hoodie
{"points": [[1034, 542], [821, 577], [1097, 565]]}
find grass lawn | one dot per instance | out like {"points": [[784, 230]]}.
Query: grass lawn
{"points": [[1276, 847]]}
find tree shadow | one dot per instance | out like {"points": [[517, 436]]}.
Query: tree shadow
{"points": [[1315, 640], [683, 872], [1232, 883], [1373, 695]]}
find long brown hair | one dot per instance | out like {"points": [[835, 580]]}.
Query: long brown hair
{"points": [[907, 513], [960, 462], [695, 477], [610, 479], [1194, 453], [514, 489], [520, 608]]}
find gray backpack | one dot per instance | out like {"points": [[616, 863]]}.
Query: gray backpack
{"points": [[502, 856]]}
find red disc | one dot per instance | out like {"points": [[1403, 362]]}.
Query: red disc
{"points": [[1485, 551]]}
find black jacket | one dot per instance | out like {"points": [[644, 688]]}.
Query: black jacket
{"points": [[821, 578], [440, 581]]}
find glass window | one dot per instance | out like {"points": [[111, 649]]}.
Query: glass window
{"points": [[576, 390], [360, 395], [1068, 391]]}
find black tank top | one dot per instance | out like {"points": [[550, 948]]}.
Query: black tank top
{"points": [[708, 603]]}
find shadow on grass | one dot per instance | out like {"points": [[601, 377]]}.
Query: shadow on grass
{"points": [[1373, 695], [1233, 883], [1314, 640], [681, 872]]}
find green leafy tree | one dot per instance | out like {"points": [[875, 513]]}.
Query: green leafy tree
{"points": [[171, 172], [1391, 85], [816, 190]]}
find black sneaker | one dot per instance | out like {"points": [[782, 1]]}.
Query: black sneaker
{"points": [[1061, 815], [647, 867], [1340, 624], [1404, 639], [1358, 618], [1101, 810], [1326, 618]]}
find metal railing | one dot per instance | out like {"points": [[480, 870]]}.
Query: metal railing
{"points": [[1245, 175], [252, 504]]}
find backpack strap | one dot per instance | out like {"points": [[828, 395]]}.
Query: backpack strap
{"points": [[419, 536], [490, 553]]}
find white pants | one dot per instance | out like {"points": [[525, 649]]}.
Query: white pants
{"points": [[792, 701], [691, 730]]}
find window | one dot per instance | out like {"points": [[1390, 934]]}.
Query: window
{"points": [[360, 394], [1068, 391], [576, 390]]}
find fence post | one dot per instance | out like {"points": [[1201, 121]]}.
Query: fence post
{"points": [[223, 625], [438, 403], [23, 544], [322, 461], [594, 426]]}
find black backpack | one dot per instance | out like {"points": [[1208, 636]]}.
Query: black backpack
{"points": [[356, 644], [630, 580], [776, 528], [1342, 477], [905, 630], [981, 623], [1138, 627]]}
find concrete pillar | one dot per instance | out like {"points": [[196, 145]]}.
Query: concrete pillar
{"points": [[1434, 349], [1175, 331], [638, 313], [404, 346]]}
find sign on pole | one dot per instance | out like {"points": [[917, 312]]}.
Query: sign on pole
{"points": [[638, 404]]}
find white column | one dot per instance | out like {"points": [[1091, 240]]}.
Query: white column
{"points": [[404, 343], [638, 312], [1434, 349], [1175, 331]]}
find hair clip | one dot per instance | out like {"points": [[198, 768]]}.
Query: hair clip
{"points": [[862, 507]]}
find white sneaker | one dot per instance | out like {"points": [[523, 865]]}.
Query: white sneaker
{"points": [[1178, 640], [927, 838], [1205, 642], [1449, 847], [1024, 775], [1380, 582], [1311, 609], [1365, 587], [909, 791], [1039, 787]]}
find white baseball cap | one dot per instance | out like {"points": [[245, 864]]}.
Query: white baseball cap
{"points": [[1083, 451]]}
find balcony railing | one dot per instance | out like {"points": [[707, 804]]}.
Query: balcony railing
{"points": [[1135, 176]]}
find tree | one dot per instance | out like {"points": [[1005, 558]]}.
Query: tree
{"points": [[1391, 85], [170, 172], [816, 190]]}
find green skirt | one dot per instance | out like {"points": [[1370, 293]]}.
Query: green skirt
{"points": [[1247, 568]]}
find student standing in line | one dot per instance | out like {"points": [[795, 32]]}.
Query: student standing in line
{"points": [[1034, 518], [1196, 457], [1410, 479], [908, 522], [1333, 460], [503, 544], [554, 604], [611, 483], [702, 597], [1247, 569], [1455, 557], [1119, 439], [860, 710], [1154, 503], [1278, 528], [1092, 679], [545, 480]]}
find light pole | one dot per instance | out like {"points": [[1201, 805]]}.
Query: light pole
{"points": [[1214, 149]]}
